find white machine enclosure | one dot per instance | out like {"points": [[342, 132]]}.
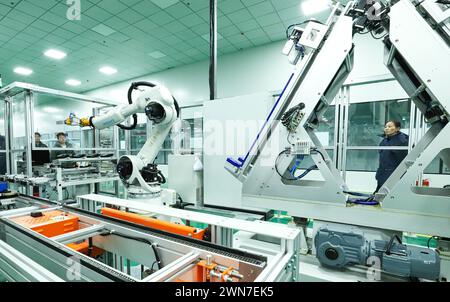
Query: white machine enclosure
{"points": [[186, 178], [315, 82], [335, 59]]}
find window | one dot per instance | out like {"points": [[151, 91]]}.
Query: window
{"points": [[325, 131], [366, 129], [362, 160], [367, 120]]}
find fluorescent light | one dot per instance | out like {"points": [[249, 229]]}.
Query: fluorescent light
{"points": [[73, 82], [51, 110], [311, 7], [23, 71], [108, 70], [55, 54]]}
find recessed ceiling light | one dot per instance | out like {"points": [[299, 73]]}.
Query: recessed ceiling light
{"points": [[51, 110], [311, 7], [73, 82], [55, 54], [23, 71], [108, 70]]}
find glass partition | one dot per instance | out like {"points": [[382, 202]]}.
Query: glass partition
{"points": [[3, 164], [326, 130], [366, 120], [49, 114], [18, 122]]}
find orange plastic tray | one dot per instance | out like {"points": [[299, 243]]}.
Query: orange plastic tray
{"points": [[52, 223]]}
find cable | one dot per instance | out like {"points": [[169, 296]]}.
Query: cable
{"points": [[297, 163], [291, 118], [429, 240], [368, 201], [391, 244], [294, 168], [132, 87], [362, 202], [276, 166], [321, 154], [306, 172], [358, 194], [157, 258], [288, 140], [379, 38], [153, 264], [135, 86], [162, 179], [363, 33]]}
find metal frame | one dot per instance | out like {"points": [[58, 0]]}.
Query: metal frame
{"points": [[29, 92], [329, 62], [176, 252], [420, 210], [18, 87], [18, 267]]}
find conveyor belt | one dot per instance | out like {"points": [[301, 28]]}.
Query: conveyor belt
{"points": [[202, 245]]}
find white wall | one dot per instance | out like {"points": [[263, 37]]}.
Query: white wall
{"points": [[250, 71], [254, 70]]}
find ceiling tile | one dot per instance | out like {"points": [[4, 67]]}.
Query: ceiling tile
{"points": [[112, 6]]}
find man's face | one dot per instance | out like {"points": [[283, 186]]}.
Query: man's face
{"points": [[37, 138], [61, 139], [390, 129]]}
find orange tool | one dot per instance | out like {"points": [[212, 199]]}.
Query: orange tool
{"points": [[155, 223]]}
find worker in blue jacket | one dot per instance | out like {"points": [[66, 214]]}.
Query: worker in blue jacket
{"points": [[389, 160]]}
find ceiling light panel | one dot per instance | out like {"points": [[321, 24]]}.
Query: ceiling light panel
{"points": [[23, 71], [72, 82], [55, 54], [108, 70], [311, 7]]}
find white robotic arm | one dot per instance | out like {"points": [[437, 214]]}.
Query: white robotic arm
{"points": [[157, 103], [138, 173]]}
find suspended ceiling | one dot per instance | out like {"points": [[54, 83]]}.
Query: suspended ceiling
{"points": [[137, 37]]}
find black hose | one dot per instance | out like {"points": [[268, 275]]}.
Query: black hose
{"points": [[276, 166], [143, 240], [149, 84], [391, 244], [162, 179], [135, 86]]}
